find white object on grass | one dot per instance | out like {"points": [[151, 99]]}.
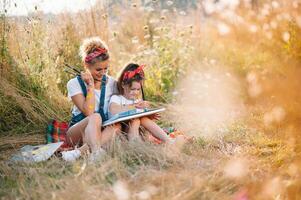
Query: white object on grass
{"points": [[71, 156]]}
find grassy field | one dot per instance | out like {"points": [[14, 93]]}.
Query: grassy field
{"points": [[228, 74]]}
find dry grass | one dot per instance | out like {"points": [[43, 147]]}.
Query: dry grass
{"points": [[246, 66]]}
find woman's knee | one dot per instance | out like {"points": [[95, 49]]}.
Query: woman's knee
{"points": [[95, 117]]}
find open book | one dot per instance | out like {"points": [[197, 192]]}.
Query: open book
{"points": [[37, 153], [131, 114]]}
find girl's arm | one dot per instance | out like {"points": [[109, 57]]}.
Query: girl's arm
{"points": [[117, 108]]}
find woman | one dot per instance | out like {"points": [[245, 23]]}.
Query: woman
{"points": [[90, 92]]}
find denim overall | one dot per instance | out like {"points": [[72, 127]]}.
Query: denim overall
{"points": [[77, 118]]}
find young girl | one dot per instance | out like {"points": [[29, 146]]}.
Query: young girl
{"points": [[90, 92], [129, 85]]}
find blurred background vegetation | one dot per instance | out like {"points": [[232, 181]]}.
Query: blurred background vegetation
{"points": [[259, 42]]}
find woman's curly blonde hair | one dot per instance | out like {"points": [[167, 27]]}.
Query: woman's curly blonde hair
{"points": [[89, 45]]}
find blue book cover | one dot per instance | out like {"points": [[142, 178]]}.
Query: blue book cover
{"points": [[131, 114]]}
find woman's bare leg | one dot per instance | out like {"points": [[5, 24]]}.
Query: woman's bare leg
{"points": [[87, 130], [154, 129]]}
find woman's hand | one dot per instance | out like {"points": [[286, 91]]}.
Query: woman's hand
{"points": [[142, 104], [87, 77]]}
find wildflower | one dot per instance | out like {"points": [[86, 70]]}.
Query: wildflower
{"points": [[278, 113], [209, 7], [286, 36], [144, 195], [212, 61], [149, 9], [162, 18], [253, 28], [252, 77], [183, 13], [147, 36], [145, 27], [223, 29], [275, 4], [254, 90], [295, 4], [156, 37], [164, 11], [135, 40], [169, 3], [104, 16], [153, 21]]}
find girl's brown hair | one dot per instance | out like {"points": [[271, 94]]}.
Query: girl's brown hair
{"points": [[128, 81]]}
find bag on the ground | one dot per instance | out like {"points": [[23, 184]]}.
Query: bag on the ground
{"points": [[56, 132]]}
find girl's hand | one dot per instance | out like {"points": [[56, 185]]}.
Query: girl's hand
{"points": [[142, 104], [155, 116], [87, 77]]}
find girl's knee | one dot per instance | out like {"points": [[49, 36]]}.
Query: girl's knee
{"points": [[135, 122], [144, 119], [117, 127]]}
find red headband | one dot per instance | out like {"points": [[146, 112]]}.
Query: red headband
{"points": [[96, 53], [130, 74]]}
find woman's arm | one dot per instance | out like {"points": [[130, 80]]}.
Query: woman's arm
{"points": [[86, 105]]}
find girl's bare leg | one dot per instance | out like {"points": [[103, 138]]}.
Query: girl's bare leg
{"points": [[133, 133], [154, 129], [109, 132]]}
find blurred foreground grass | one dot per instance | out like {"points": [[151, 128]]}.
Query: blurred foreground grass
{"points": [[256, 155]]}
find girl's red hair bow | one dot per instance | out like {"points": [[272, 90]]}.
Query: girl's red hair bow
{"points": [[130, 74], [96, 53]]}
